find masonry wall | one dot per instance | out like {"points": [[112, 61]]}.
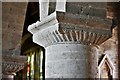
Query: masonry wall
{"points": [[110, 47], [13, 17]]}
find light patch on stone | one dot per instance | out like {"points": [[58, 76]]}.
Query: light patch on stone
{"points": [[61, 6]]}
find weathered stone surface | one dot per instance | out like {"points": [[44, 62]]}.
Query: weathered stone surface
{"points": [[109, 47], [87, 8], [12, 64], [93, 61], [113, 10], [64, 35], [90, 15], [13, 17], [62, 29], [67, 61]]}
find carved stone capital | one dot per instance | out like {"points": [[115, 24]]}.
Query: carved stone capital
{"points": [[12, 64], [62, 27]]}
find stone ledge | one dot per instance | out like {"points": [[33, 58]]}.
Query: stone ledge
{"points": [[40, 25], [61, 17]]}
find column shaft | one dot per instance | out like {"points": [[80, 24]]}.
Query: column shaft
{"points": [[67, 61]]}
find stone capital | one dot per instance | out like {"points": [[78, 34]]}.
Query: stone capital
{"points": [[12, 64], [60, 27]]}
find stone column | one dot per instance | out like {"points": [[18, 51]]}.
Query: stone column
{"points": [[67, 38], [67, 60], [67, 48]]}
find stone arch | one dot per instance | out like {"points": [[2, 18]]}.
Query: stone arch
{"points": [[106, 68]]}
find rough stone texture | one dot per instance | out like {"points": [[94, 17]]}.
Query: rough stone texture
{"points": [[13, 17], [67, 61], [87, 8], [118, 35], [13, 20], [85, 27], [12, 64], [110, 47], [93, 61], [113, 12], [0, 39]]}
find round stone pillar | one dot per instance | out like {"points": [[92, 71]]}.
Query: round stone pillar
{"points": [[67, 61]]}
